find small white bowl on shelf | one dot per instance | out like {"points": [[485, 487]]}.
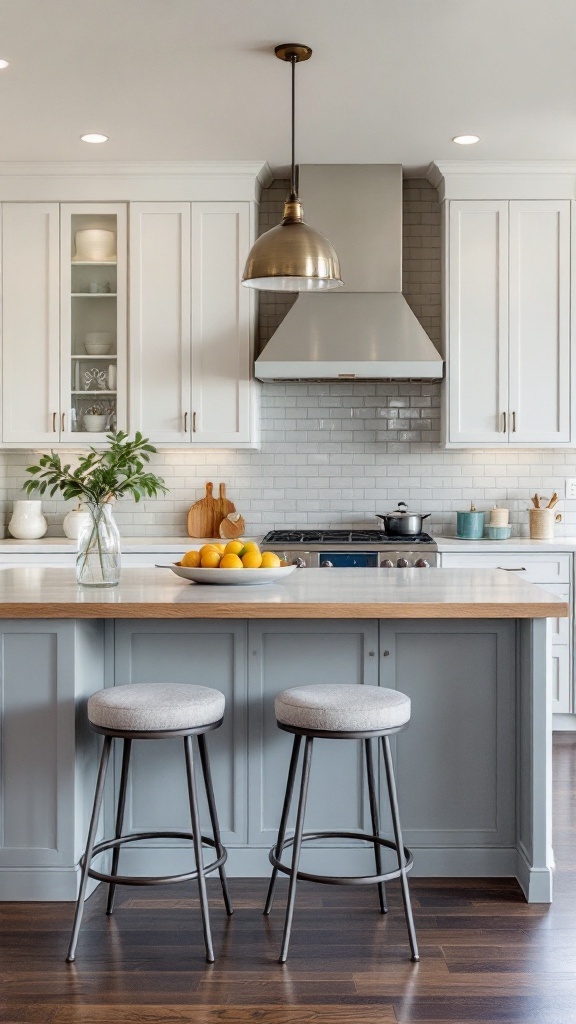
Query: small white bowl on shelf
{"points": [[98, 343], [94, 424]]}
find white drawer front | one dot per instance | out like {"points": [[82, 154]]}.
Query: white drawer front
{"points": [[531, 566]]}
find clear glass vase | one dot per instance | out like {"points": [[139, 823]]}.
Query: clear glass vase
{"points": [[98, 558]]}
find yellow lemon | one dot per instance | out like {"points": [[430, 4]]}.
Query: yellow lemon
{"points": [[269, 560], [210, 559], [234, 547], [191, 559], [230, 562], [252, 560], [249, 545], [207, 547], [221, 548]]}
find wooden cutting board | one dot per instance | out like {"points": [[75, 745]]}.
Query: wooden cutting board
{"points": [[205, 516]]}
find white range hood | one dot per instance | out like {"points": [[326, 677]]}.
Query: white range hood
{"points": [[365, 330]]}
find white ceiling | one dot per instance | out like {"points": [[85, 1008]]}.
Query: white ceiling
{"points": [[389, 81]]}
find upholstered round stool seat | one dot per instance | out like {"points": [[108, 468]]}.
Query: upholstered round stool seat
{"points": [[155, 707], [342, 707]]}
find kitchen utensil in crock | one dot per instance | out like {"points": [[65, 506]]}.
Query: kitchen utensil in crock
{"points": [[205, 516], [403, 523]]}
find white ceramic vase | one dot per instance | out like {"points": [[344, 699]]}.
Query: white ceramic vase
{"points": [[74, 519], [27, 522]]}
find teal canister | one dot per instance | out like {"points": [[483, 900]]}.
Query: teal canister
{"points": [[470, 525]]}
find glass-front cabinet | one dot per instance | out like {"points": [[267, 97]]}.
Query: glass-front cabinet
{"points": [[93, 254]]}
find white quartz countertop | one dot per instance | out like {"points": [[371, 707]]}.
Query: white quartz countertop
{"points": [[46, 592], [447, 544]]}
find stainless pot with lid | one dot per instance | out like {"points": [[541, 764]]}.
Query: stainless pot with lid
{"points": [[402, 522]]}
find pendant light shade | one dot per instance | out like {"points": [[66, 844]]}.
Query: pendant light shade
{"points": [[292, 257]]}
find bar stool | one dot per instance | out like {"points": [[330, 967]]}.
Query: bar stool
{"points": [[345, 712], [154, 712]]}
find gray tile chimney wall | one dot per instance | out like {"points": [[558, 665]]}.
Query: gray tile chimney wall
{"points": [[336, 453]]}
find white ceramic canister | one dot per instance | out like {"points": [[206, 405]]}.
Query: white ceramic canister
{"points": [[499, 516], [73, 521], [27, 522]]}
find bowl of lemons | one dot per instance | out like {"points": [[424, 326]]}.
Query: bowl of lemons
{"points": [[237, 563]]}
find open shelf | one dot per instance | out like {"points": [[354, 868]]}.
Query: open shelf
{"points": [[90, 394], [112, 355]]}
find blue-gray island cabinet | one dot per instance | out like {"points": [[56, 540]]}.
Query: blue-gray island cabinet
{"points": [[468, 646]]}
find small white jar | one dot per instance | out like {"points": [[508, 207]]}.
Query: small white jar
{"points": [[73, 521], [27, 522]]}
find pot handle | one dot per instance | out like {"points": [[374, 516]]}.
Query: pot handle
{"points": [[426, 516]]}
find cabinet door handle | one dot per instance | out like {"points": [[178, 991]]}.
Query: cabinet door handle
{"points": [[185, 422], [62, 421], [193, 422], [54, 422], [504, 431], [506, 568], [513, 422]]}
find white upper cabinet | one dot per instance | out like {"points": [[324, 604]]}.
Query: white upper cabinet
{"points": [[58, 384], [87, 348], [30, 323], [508, 323], [190, 327]]}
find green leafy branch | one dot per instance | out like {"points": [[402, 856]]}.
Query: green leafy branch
{"points": [[101, 475]]}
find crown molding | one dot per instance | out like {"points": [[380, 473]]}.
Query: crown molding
{"points": [[503, 179], [148, 180]]}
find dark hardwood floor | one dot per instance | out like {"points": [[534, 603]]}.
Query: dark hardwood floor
{"points": [[486, 955]]}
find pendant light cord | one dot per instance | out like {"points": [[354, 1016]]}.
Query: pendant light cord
{"points": [[293, 194]]}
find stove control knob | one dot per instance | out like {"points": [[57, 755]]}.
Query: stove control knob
{"points": [[299, 562], [326, 565], [421, 564], [402, 563], [387, 564]]}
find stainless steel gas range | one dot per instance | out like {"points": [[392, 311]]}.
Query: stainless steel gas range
{"points": [[360, 549]]}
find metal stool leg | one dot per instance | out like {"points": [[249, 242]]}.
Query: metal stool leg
{"points": [[375, 823], [283, 819], [193, 796], [126, 749], [205, 761], [399, 846], [297, 847], [89, 847]]}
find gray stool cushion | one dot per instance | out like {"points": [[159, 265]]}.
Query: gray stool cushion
{"points": [[150, 707], [341, 707]]}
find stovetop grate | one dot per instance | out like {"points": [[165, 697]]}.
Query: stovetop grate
{"points": [[343, 537]]}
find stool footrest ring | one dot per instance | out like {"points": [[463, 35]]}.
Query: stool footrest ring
{"points": [[342, 879], [110, 844]]}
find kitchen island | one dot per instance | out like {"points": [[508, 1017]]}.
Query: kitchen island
{"points": [[468, 646]]}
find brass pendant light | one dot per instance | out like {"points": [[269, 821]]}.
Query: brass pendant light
{"points": [[292, 257]]}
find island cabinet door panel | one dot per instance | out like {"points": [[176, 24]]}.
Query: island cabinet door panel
{"points": [[282, 654], [456, 760], [204, 653], [30, 322], [44, 798], [160, 320]]}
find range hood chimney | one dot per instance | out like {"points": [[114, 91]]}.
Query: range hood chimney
{"points": [[366, 330]]}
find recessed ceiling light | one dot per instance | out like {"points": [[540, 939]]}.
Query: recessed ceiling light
{"points": [[4, 63], [466, 140], [94, 137]]}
